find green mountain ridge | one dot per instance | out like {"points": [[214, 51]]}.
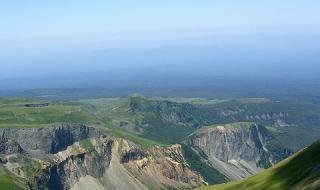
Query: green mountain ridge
{"points": [[160, 122]]}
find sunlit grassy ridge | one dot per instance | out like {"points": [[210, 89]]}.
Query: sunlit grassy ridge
{"points": [[299, 172], [157, 121], [111, 112], [14, 113], [196, 101], [145, 127], [166, 120], [172, 119], [9, 181], [106, 112]]}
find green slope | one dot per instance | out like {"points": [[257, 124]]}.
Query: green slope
{"points": [[299, 172], [170, 120], [14, 113], [198, 164], [165, 120], [9, 181]]}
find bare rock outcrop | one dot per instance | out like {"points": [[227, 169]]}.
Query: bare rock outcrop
{"points": [[49, 140], [72, 156], [239, 150], [160, 166]]}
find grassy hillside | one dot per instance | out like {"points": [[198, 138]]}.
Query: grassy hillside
{"points": [[143, 117], [160, 121], [170, 120], [9, 181], [294, 124], [300, 171], [15, 113], [209, 173]]}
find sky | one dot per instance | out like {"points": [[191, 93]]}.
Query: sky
{"points": [[76, 36], [60, 19]]}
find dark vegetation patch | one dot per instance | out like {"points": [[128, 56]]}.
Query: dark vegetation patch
{"points": [[211, 175], [136, 154], [165, 132]]}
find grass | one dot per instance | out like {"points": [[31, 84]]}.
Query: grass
{"points": [[148, 128], [196, 101], [30, 167], [86, 144], [164, 121], [92, 111], [165, 132], [210, 174], [160, 120], [253, 100], [150, 114], [13, 114], [8, 182], [121, 133], [300, 171], [18, 101], [19, 126], [43, 115], [110, 112]]}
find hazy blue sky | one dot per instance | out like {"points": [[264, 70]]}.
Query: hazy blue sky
{"points": [[60, 19], [65, 36]]}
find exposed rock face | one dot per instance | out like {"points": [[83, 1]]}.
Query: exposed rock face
{"points": [[160, 166], [266, 116], [238, 150], [47, 140], [233, 143], [74, 163], [114, 163], [74, 156], [9, 146]]}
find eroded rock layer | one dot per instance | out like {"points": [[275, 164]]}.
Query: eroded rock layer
{"points": [[239, 150], [78, 156]]}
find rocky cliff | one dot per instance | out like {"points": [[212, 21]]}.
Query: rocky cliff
{"points": [[238, 150], [44, 140], [87, 158], [160, 167], [81, 157]]}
